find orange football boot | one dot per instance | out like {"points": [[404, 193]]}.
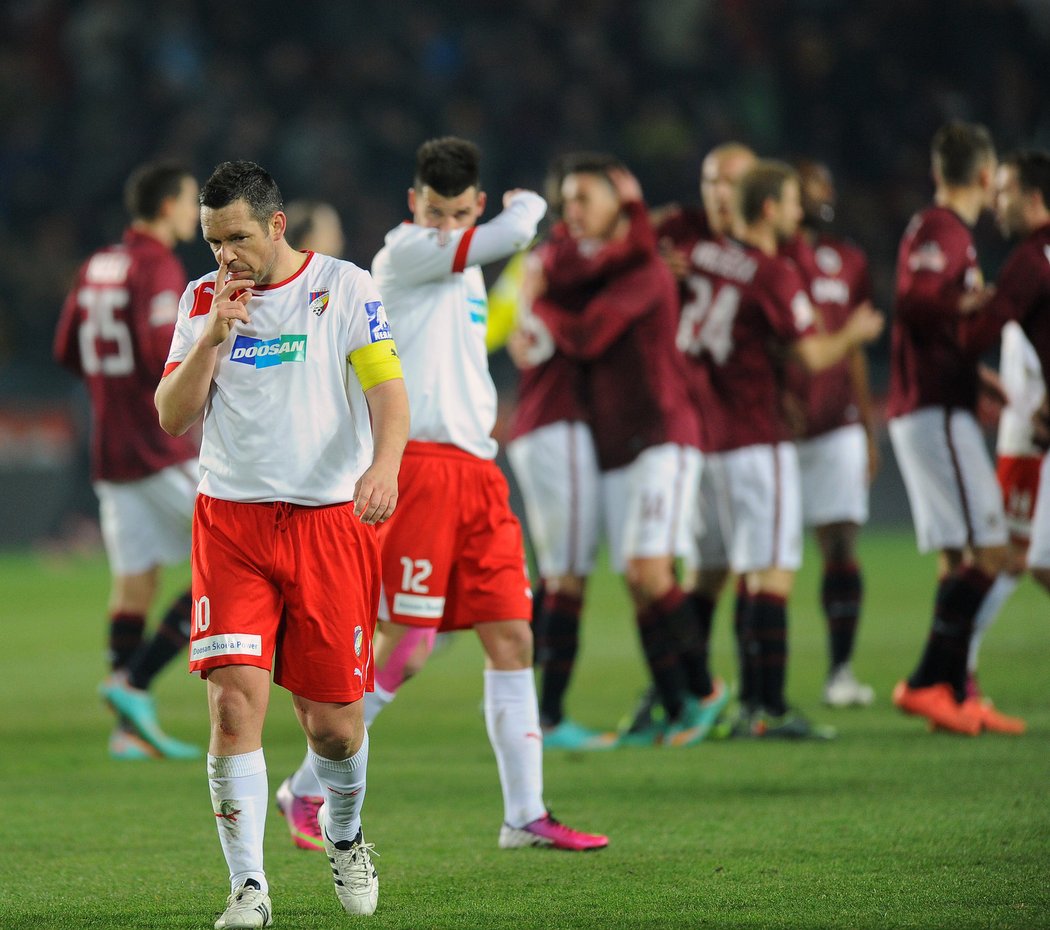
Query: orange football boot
{"points": [[991, 719], [938, 705]]}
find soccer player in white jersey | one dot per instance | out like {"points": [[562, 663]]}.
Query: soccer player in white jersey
{"points": [[314, 226], [453, 557], [288, 356]]}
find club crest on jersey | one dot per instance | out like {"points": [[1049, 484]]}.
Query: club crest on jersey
{"points": [[319, 301], [359, 640], [265, 353], [378, 327]]}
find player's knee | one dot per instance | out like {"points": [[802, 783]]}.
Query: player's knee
{"points": [[837, 542], [232, 712], [649, 579], [508, 645], [334, 736], [992, 560]]}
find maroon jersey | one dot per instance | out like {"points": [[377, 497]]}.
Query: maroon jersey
{"points": [[1023, 293], [553, 390], [623, 334], [836, 273], [684, 228], [930, 363], [114, 332], [744, 310]]}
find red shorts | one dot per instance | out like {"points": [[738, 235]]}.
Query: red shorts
{"points": [[301, 582], [453, 554], [1019, 479]]}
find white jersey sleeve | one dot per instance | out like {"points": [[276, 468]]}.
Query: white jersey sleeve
{"points": [[1022, 378], [418, 254]]}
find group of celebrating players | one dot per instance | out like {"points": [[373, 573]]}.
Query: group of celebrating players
{"points": [[693, 389]]}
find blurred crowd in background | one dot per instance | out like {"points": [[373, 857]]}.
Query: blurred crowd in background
{"points": [[334, 96]]}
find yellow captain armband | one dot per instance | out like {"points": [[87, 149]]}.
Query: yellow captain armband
{"points": [[375, 363]]}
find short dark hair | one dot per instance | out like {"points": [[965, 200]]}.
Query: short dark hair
{"points": [[302, 218], [958, 150], [150, 185], [448, 166], [765, 180], [1033, 171], [599, 163], [243, 180]]}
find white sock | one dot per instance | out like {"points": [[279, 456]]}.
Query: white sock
{"points": [[344, 790], [512, 719], [375, 701], [304, 783], [998, 594], [239, 797]]}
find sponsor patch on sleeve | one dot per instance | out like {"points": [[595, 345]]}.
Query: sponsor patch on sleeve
{"points": [[378, 327]]}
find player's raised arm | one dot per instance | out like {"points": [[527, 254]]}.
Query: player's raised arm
{"points": [[418, 253]]}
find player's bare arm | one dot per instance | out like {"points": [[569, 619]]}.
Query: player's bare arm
{"points": [[823, 350], [861, 383], [182, 394], [375, 494]]}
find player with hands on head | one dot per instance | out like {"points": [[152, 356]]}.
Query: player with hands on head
{"points": [[114, 332], [453, 553], [551, 444], [289, 357], [644, 428]]}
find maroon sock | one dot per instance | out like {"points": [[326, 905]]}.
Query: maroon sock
{"points": [[840, 594], [744, 657], [125, 637], [959, 596], [696, 657], [767, 622], [557, 642], [170, 639]]}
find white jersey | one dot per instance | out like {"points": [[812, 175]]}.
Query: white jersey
{"points": [[1022, 378], [286, 419], [435, 296]]}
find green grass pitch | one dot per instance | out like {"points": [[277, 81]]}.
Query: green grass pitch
{"points": [[887, 827]]}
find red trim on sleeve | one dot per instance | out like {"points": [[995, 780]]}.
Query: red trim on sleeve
{"points": [[169, 368], [460, 261], [202, 299]]}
